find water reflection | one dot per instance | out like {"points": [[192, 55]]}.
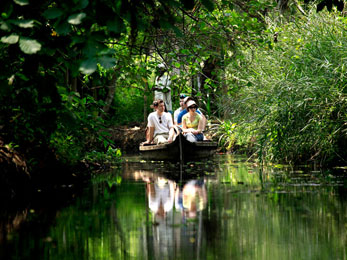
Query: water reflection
{"points": [[226, 208], [164, 195], [175, 210]]}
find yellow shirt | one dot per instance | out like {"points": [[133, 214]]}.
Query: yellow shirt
{"points": [[193, 124]]}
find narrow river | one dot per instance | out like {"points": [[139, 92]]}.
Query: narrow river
{"points": [[221, 208]]}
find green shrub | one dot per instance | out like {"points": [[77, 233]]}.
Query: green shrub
{"points": [[292, 93]]}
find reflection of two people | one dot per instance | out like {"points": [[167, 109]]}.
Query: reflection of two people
{"points": [[164, 194]]}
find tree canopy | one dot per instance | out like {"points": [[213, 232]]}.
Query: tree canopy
{"points": [[71, 69]]}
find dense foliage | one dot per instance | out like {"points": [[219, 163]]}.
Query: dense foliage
{"points": [[291, 95], [271, 72], [61, 63]]}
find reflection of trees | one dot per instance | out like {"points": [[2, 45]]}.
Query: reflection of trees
{"points": [[296, 223], [228, 216], [10, 223]]}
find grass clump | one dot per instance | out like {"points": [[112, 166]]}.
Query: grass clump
{"points": [[291, 93]]}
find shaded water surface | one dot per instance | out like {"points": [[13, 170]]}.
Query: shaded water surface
{"points": [[222, 208]]}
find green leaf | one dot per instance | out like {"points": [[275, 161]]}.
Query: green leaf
{"points": [[107, 62], [52, 13], [63, 28], [4, 26], [21, 2], [22, 76], [76, 19], [88, 66], [208, 4], [6, 13], [115, 25], [77, 39], [185, 51], [177, 65], [29, 46], [12, 39], [83, 4], [24, 23]]}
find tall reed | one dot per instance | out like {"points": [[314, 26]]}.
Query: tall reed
{"points": [[291, 94]]}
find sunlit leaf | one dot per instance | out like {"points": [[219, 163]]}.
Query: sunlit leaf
{"points": [[29, 46], [88, 66], [21, 2], [11, 39], [177, 65], [24, 23], [4, 26], [76, 19], [52, 13]]}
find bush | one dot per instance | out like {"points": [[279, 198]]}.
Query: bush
{"points": [[292, 93]]}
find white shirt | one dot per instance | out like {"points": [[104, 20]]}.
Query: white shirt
{"points": [[164, 92], [164, 126], [163, 82], [176, 113]]}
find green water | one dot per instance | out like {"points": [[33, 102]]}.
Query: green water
{"points": [[223, 208]]}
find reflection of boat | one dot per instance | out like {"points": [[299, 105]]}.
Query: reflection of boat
{"points": [[178, 150]]}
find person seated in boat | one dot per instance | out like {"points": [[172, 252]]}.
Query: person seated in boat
{"points": [[192, 123], [180, 109], [185, 111], [160, 126]]}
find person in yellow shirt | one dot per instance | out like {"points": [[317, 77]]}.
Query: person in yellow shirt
{"points": [[192, 123]]}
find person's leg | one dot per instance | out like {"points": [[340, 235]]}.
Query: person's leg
{"points": [[172, 135], [158, 95], [199, 137], [190, 137], [160, 139], [167, 100]]}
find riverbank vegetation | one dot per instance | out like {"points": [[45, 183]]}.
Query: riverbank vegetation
{"points": [[270, 76], [290, 96]]}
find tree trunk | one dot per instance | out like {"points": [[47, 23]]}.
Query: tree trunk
{"points": [[207, 73], [74, 84], [145, 107], [110, 94]]}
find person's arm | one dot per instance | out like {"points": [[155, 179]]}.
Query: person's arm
{"points": [[184, 126], [175, 117], [169, 120], [204, 121], [150, 135], [201, 125], [150, 129], [203, 118]]}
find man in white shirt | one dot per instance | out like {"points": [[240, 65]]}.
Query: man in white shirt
{"points": [[162, 88], [160, 126], [180, 109]]}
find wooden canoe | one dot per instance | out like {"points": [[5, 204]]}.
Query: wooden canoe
{"points": [[178, 150]]}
